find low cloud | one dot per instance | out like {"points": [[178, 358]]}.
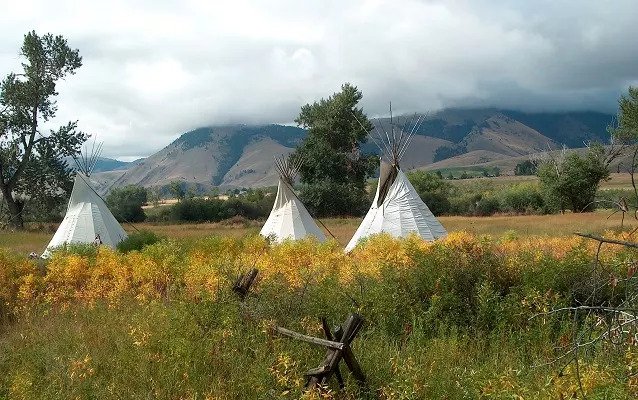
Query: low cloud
{"points": [[155, 69]]}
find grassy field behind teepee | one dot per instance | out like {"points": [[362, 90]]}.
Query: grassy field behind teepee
{"points": [[37, 237]]}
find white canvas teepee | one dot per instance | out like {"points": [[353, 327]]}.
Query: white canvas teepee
{"points": [[397, 208], [289, 218], [86, 216]]}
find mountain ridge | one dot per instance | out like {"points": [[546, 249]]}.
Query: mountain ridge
{"points": [[230, 156]]}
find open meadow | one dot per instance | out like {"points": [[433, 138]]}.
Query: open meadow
{"points": [[36, 239]]}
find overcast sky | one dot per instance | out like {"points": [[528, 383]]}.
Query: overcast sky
{"points": [[154, 69]]}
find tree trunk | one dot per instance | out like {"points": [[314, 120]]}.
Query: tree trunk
{"points": [[15, 209]]}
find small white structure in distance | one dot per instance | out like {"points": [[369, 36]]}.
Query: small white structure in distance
{"points": [[87, 215], [289, 218], [397, 208]]}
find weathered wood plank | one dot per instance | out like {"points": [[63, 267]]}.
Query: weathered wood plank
{"points": [[353, 364], [317, 371], [335, 337], [309, 339]]}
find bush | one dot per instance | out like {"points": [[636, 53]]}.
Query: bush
{"points": [[574, 179], [523, 198], [126, 203], [138, 240], [527, 167], [488, 205], [215, 210], [433, 190]]}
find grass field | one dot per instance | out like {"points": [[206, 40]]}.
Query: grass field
{"points": [[343, 229], [616, 181]]}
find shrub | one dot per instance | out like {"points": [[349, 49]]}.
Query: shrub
{"points": [[138, 240], [126, 203], [488, 205], [523, 198], [215, 210]]}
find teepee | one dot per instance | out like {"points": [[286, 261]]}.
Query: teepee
{"points": [[87, 216], [289, 218], [397, 208]]}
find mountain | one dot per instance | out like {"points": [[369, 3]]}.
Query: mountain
{"points": [[241, 155], [227, 156], [104, 164]]}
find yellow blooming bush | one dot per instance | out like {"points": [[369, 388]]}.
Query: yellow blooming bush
{"points": [[210, 265], [19, 283]]}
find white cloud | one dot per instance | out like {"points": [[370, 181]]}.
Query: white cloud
{"points": [[155, 69]]}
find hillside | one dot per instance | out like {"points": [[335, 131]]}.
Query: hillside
{"points": [[241, 156], [216, 156]]}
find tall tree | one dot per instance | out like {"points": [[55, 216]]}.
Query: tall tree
{"points": [[334, 172], [573, 179], [29, 157], [628, 115]]}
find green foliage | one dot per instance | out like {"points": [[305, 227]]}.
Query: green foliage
{"points": [[213, 210], [336, 130], [573, 180], [469, 172], [527, 167], [523, 198], [487, 205], [177, 190], [126, 203], [329, 198], [138, 240], [88, 250], [28, 155], [628, 115], [433, 190]]}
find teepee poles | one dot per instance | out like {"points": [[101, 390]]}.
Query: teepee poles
{"points": [[85, 161]]}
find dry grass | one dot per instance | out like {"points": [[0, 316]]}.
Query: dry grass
{"points": [[618, 181], [343, 228]]}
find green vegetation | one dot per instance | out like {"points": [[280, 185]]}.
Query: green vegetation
{"points": [[454, 319], [628, 116], [481, 198], [573, 180], [138, 240], [527, 167], [333, 172], [126, 203], [252, 204], [468, 172], [30, 166]]}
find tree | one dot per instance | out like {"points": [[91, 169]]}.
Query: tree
{"points": [[527, 167], [177, 190], [433, 190], [573, 180], [29, 158], [334, 172], [126, 203], [628, 116]]}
